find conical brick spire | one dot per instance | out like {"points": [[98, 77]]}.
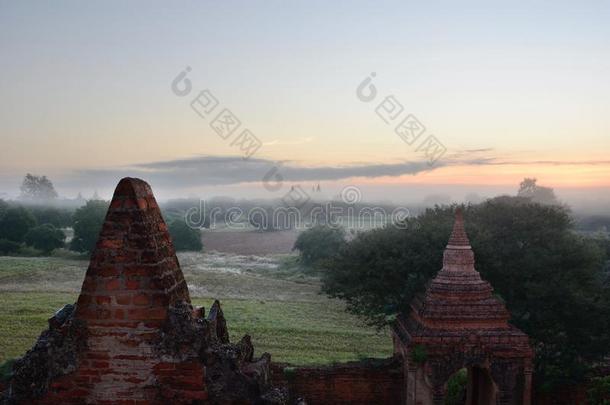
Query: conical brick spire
{"points": [[134, 252], [458, 238], [458, 256], [132, 281]]}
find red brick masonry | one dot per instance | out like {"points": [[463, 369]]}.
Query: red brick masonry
{"points": [[372, 381]]}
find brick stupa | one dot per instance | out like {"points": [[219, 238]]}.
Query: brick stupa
{"points": [[132, 280], [133, 336], [458, 323]]}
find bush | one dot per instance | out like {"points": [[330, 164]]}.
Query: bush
{"points": [[419, 354], [599, 391], [6, 370], [58, 217], [456, 388], [15, 223], [319, 243], [45, 237], [185, 237], [88, 221], [3, 208], [8, 247]]}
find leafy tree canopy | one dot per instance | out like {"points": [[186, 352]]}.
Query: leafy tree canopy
{"points": [[185, 237], [88, 221], [58, 217], [3, 207], [45, 237], [549, 277], [8, 247], [599, 391], [538, 194], [319, 243], [15, 223]]}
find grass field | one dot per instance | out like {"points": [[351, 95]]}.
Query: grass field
{"points": [[280, 308]]}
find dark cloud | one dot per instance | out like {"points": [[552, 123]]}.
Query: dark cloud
{"points": [[227, 170]]}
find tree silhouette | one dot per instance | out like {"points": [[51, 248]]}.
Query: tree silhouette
{"points": [[538, 194], [37, 188]]}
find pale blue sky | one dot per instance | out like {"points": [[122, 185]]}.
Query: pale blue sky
{"points": [[85, 85]]}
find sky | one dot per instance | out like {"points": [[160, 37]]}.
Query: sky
{"points": [[504, 90]]}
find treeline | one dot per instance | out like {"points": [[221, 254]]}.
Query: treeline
{"points": [[27, 229], [32, 226], [276, 214]]}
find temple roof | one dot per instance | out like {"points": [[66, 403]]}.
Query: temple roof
{"points": [[458, 238], [457, 302]]}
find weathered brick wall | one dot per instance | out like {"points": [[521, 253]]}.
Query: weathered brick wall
{"points": [[568, 395], [357, 383]]}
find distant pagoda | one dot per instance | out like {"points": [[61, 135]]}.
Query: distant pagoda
{"points": [[457, 323]]}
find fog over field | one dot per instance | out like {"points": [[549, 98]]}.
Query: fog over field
{"points": [[305, 202]]}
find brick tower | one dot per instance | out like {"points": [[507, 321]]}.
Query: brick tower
{"points": [[457, 323], [132, 280]]}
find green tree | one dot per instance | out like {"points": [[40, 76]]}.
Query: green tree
{"points": [[551, 280], [15, 223], [549, 277], [319, 243], [8, 247], [88, 221], [599, 391], [45, 237], [3, 208], [185, 237], [538, 194], [378, 272], [6, 370], [58, 217], [37, 188]]}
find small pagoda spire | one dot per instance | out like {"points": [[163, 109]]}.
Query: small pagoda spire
{"points": [[458, 254], [458, 238]]}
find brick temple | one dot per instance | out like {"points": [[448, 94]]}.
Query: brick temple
{"points": [[457, 323], [133, 336]]}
